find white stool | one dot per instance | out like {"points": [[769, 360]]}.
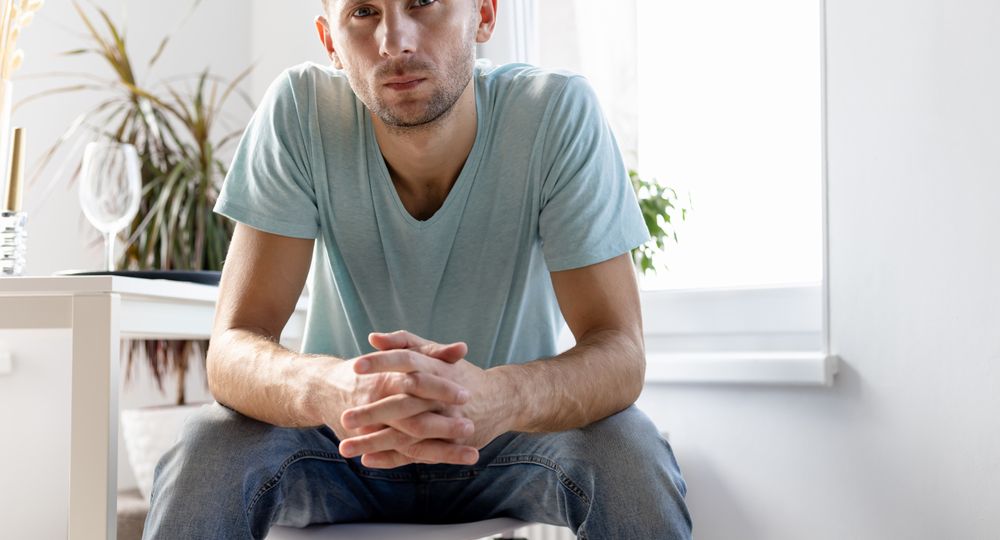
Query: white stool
{"points": [[400, 531]]}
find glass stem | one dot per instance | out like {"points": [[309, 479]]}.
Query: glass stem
{"points": [[109, 248]]}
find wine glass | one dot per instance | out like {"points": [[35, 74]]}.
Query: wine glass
{"points": [[110, 188]]}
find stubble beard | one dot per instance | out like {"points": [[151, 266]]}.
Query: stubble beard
{"points": [[438, 106]]}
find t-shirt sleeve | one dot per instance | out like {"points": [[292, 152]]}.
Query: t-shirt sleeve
{"points": [[269, 186], [589, 212]]}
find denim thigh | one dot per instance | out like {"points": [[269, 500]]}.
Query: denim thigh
{"points": [[230, 476], [616, 478]]}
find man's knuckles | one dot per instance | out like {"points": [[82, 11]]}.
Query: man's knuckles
{"points": [[386, 460], [387, 384], [448, 352], [430, 425], [420, 385], [414, 384], [420, 452], [386, 439], [425, 451]]}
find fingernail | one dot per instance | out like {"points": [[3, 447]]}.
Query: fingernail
{"points": [[361, 366], [463, 396], [469, 456], [467, 428]]}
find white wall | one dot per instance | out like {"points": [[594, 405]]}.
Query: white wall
{"points": [[283, 34], [35, 421], [907, 442]]}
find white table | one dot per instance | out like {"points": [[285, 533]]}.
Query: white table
{"points": [[100, 311]]}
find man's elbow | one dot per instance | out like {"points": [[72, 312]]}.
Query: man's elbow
{"points": [[639, 380], [636, 372]]}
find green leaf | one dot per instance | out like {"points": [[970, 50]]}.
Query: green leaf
{"points": [[656, 205], [75, 52], [159, 50]]}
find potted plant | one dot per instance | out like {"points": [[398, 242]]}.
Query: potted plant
{"points": [[655, 202], [175, 134]]}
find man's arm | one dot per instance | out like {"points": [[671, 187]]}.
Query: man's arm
{"points": [[603, 373], [600, 376], [247, 369], [250, 372]]}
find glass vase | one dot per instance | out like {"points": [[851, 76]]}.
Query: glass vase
{"points": [[13, 242]]}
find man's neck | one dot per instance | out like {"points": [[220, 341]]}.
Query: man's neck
{"points": [[425, 162]]}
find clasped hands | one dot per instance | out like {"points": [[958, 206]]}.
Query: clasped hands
{"points": [[414, 401]]}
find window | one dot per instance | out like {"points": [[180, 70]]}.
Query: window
{"points": [[721, 100]]}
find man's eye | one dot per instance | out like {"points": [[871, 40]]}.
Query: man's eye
{"points": [[363, 12], [422, 3]]}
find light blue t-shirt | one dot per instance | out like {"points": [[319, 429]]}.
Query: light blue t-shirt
{"points": [[543, 189]]}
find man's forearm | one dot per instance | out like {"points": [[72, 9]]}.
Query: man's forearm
{"points": [[253, 374], [601, 375]]}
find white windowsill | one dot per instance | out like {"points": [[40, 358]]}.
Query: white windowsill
{"points": [[799, 368], [768, 335]]}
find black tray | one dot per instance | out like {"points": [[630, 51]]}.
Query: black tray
{"points": [[205, 277]]}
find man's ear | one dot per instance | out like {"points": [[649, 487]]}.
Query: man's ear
{"points": [[487, 20], [323, 28]]}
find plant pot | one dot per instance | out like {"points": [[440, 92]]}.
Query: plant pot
{"points": [[149, 432]]}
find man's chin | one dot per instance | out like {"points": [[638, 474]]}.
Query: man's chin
{"points": [[406, 124], [408, 119]]}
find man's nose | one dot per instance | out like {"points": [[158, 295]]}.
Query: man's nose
{"points": [[398, 34]]}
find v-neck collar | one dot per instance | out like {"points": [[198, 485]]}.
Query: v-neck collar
{"points": [[377, 162]]}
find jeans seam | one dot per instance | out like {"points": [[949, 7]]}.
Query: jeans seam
{"points": [[528, 459], [326, 456], [276, 478]]}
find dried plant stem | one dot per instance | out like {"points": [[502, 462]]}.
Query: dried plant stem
{"points": [[5, 24], [17, 14]]}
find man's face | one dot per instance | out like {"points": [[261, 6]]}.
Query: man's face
{"points": [[407, 60]]}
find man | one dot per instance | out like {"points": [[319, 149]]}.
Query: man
{"points": [[474, 207]]}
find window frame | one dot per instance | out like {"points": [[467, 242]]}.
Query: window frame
{"points": [[773, 335]]}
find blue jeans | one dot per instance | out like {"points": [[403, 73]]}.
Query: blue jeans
{"points": [[232, 477]]}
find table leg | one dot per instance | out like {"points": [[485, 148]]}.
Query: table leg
{"points": [[93, 471]]}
